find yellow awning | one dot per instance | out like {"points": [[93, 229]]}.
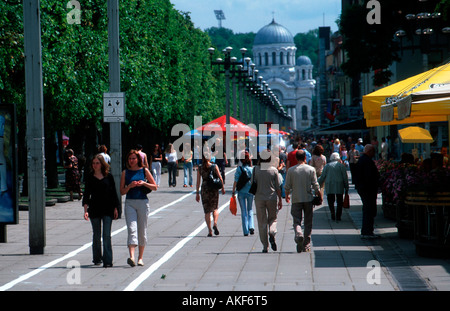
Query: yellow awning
{"points": [[429, 111], [415, 134]]}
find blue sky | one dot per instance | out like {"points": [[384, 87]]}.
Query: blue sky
{"points": [[250, 16]]}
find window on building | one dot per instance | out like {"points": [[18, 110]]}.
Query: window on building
{"points": [[288, 58], [303, 74], [281, 58], [304, 113], [266, 56]]}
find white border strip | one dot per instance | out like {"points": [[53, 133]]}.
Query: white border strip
{"points": [[25, 277], [138, 281]]}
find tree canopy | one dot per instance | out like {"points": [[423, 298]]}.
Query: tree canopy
{"points": [[164, 61]]}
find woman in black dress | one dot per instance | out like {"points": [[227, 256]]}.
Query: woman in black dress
{"points": [[209, 196], [73, 175], [101, 204]]}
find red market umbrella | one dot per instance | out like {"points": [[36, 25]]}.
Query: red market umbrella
{"points": [[280, 132], [219, 125]]}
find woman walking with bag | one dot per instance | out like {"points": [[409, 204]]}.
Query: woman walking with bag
{"points": [[334, 175], [209, 195], [101, 205], [136, 182], [242, 184]]}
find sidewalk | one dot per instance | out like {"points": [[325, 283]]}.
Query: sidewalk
{"points": [[228, 262], [408, 270]]}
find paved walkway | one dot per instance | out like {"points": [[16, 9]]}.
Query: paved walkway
{"points": [[179, 256]]}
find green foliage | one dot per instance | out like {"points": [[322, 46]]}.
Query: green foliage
{"points": [[223, 37], [12, 73], [368, 47], [308, 44], [74, 61], [372, 47], [165, 70]]}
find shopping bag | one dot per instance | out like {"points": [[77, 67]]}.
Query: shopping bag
{"points": [[346, 201], [233, 207]]}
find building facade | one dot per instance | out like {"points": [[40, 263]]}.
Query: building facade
{"points": [[290, 78]]}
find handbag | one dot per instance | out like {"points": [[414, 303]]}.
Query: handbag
{"points": [[346, 201], [144, 189], [254, 185], [233, 205], [316, 201], [213, 181]]}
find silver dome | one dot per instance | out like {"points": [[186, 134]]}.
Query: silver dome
{"points": [[273, 33], [303, 60]]}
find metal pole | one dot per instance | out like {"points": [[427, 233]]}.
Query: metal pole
{"points": [[233, 81], [227, 126], [114, 86], [35, 125], [241, 95]]}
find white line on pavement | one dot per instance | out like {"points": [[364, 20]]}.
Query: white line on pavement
{"points": [[138, 281], [36, 271]]}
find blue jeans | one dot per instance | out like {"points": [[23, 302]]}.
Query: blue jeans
{"points": [[245, 202], [283, 192], [107, 257], [172, 168], [187, 167]]}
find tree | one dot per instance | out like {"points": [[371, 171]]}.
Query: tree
{"points": [[308, 44], [165, 72], [371, 47]]}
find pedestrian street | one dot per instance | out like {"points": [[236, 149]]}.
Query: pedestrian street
{"points": [[180, 257]]}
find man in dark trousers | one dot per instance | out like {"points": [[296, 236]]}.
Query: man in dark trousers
{"points": [[367, 185]]}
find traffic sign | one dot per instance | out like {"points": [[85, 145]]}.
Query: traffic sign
{"points": [[113, 107]]}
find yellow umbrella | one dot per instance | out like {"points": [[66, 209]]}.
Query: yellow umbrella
{"points": [[424, 111], [415, 134]]}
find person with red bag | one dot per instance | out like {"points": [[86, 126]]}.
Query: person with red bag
{"points": [[334, 175], [242, 184]]}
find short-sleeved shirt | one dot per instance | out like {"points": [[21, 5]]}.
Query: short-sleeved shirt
{"points": [[135, 193]]}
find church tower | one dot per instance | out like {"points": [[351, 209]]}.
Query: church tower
{"points": [[289, 78]]}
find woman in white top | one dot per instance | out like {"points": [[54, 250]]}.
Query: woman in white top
{"points": [[172, 165], [187, 165], [318, 161], [336, 145]]}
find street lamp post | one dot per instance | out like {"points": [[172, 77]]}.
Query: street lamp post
{"points": [[424, 25]]}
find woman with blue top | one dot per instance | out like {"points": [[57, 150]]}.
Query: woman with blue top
{"points": [[135, 178], [245, 198]]}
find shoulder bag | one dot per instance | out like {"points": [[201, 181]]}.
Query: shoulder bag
{"points": [[214, 181], [254, 185]]}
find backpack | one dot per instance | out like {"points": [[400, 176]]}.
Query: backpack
{"points": [[243, 179]]}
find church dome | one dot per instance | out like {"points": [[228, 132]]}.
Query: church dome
{"points": [[303, 60], [273, 33]]}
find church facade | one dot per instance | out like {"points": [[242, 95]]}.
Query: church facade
{"points": [[290, 78]]}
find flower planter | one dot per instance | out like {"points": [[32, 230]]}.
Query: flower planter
{"points": [[405, 220], [389, 210], [431, 215]]}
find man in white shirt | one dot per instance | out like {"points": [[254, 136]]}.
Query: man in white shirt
{"points": [[300, 180]]}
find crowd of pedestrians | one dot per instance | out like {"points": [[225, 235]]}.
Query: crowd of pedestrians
{"points": [[298, 173]]}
